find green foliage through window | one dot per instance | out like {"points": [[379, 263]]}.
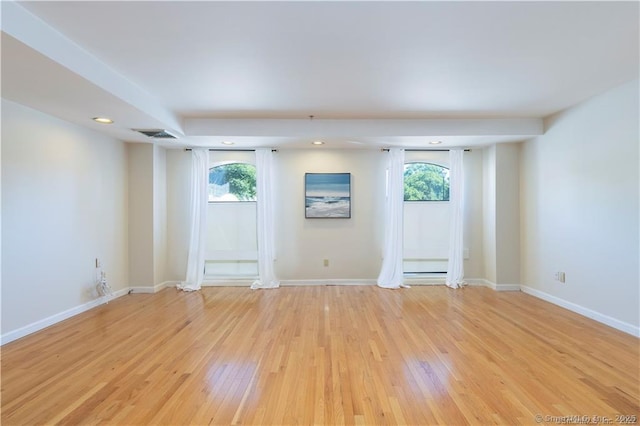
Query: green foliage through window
{"points": [[426, 182], [232, 182]]}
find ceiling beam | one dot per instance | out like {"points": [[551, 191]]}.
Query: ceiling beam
{"points": [[38, 35], [525, 127]]}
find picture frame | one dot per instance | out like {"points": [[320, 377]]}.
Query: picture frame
{"points": [[327, 195]]}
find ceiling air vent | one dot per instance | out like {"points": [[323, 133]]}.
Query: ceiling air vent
{"points": [[156, 133]]}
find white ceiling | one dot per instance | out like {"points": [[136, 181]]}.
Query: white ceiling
{"points": [[162, 64]]}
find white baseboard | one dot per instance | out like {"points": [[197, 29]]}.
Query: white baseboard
{"points": [[56, 318], [119, 293], [53, 319], [151, 290], [165, 284], [507, 287], [142, 290], [411, 281], [604, 319], [228, 283], [477, 282], [289, 283], [497, 287]]}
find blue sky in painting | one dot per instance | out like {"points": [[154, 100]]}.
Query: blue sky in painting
{"points": [[327, 184]]}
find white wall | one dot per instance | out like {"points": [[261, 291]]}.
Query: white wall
{"points": [[178, 183], [473, 214], [507, 209], [489, 212], [501, 214], [64, 203], [141, 214], [579, 206], [147, 215], [159, 214], [352, 246]]}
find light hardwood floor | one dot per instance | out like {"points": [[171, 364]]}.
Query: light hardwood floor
{"points": [[321, 355]]}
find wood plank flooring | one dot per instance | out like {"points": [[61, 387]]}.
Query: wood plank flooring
{"points": [[321, 355]]}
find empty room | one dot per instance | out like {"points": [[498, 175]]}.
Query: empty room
{"points": [[320, 212]]}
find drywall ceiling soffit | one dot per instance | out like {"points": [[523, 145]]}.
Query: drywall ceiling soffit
{"points": [[46, 70], [373, 132], [34, 80], [371, 59]]}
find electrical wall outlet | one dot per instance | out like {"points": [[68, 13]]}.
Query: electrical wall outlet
{"points": [[326, 262], [560, 276]]}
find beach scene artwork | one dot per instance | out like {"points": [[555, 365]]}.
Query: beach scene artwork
{"points": [[327, 195]]}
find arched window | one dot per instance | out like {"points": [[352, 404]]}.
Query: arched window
{"points": [[426, 182], [231, 248], [232, 182]]}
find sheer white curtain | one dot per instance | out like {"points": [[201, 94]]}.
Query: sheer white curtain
{"points": [[198, 217], [455, 268], [266, 233], [391, 273]]}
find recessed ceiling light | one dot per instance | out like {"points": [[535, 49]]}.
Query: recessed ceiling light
{"points": [[228, 143], [317, 143], [103, 120], [435, 142]]}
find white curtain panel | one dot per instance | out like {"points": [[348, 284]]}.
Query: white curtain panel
{"points": [[455, 268], [266, 233], [391, 273], [198, 217]]}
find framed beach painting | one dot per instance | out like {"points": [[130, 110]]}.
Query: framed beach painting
{"points": [[327, 195]]}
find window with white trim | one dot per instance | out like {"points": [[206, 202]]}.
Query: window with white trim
{"points": [[231, 240], [426, 212]]}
